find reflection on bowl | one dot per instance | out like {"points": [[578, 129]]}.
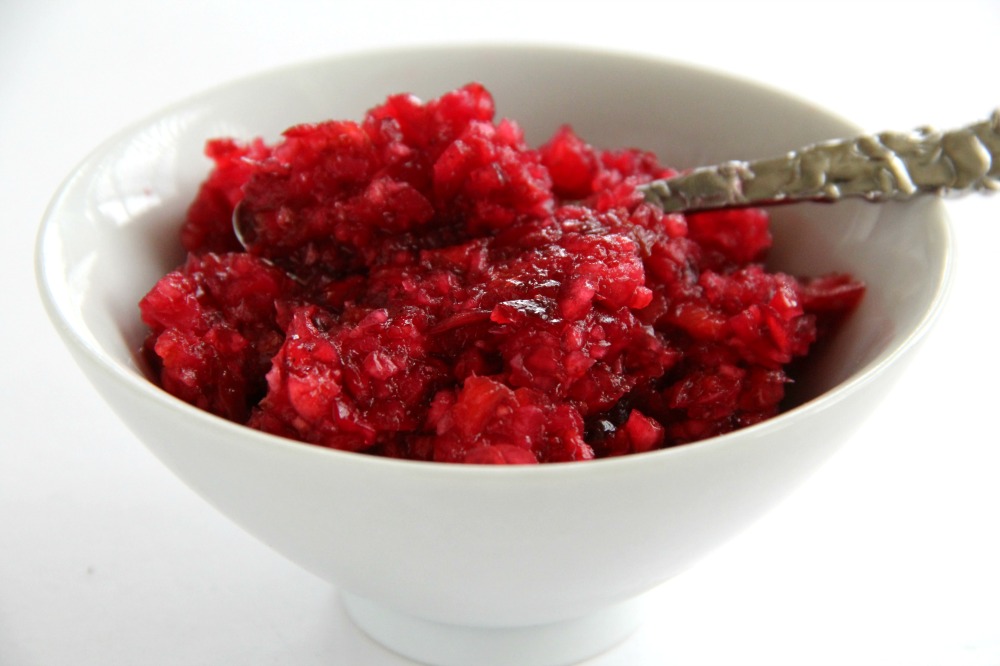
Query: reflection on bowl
{"points": [[474, 564]]}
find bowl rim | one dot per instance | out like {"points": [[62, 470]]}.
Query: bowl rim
{"points": [[146, 390]]}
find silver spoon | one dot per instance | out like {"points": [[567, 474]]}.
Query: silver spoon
{"points": [[878, 167]]}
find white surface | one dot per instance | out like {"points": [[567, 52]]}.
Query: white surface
{"points": [[885, 557]]}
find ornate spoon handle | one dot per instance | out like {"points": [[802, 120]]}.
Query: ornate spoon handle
{"points": [[878, 167]]}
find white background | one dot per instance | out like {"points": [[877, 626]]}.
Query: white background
{"points": [[887, 556]]}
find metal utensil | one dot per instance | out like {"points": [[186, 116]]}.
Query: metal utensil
{"points": [[877, 167]]}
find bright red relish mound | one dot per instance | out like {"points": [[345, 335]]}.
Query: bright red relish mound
{"points": [[424, 285]]}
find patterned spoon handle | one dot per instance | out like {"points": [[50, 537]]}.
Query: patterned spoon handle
{"points": [[878, 167]]}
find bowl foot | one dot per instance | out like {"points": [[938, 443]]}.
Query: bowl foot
{"points": [[555, 644]]}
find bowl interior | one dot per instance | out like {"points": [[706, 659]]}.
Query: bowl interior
{"points": [[112, 230]]}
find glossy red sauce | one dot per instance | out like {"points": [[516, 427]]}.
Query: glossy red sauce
{"points": [[424, 285]]}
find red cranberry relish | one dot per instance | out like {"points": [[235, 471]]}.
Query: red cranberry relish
{"points": [[424, 285]]}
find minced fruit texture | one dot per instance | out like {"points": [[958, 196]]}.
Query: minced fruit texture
{"points": [[424, 285]]}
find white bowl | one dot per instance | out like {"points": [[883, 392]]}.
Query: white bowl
{"points": [[479, 564]]}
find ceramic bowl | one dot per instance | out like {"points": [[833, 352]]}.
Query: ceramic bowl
{"points": [[481, 564]]}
